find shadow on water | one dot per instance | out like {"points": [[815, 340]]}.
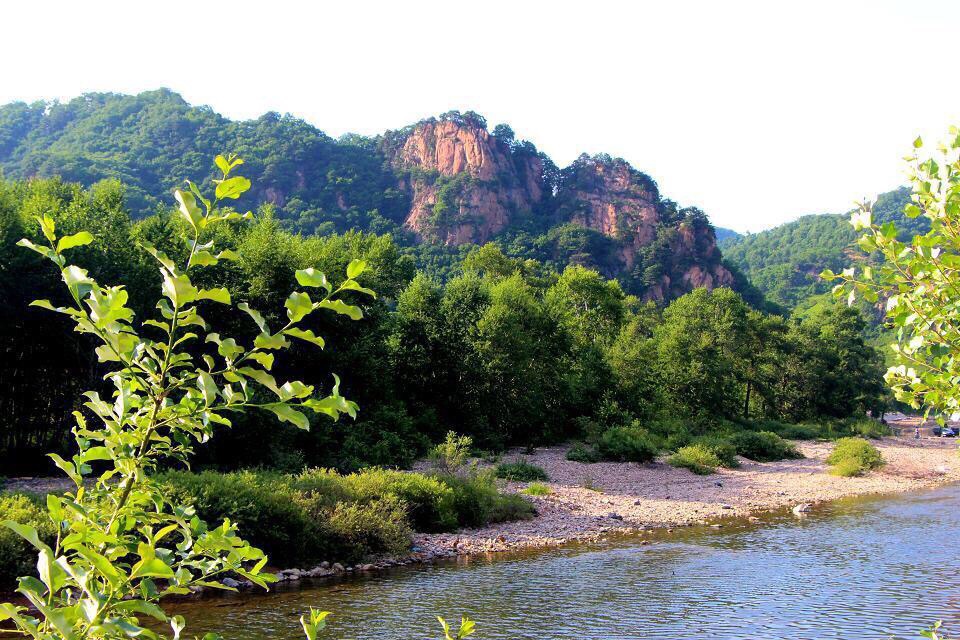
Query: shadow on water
{"points": [[855, 568]]}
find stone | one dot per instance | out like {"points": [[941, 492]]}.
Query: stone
{"points": [[337, 567], [230, 582], [614, 516]]}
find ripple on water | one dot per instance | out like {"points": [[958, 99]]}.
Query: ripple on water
{"points": [[864, 568]]}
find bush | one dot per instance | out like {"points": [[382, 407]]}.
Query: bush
{"points": [[847, 468], [626, 444], [537, 489], [797, 431], [520, 471], [17, 557], [763, 446], [697, 458], [721, 448], [322, 515], [452, 453], [477, 501], [580, 452], [428, 499], [854, 456], [374, 528]]}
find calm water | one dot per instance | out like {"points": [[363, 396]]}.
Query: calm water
{"points": [[866, 568]]}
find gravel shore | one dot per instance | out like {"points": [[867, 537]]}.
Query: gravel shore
{"points": [[591, 501]]}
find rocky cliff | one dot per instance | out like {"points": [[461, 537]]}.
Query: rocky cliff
{"points": [[466, 185]]}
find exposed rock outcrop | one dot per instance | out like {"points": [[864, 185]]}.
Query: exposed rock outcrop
{"points": [[466, 185]]}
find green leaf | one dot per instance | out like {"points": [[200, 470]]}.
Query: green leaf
{"points": [[312, 278], [232, 187], [48, 226], [306, 334], [298, 306], [26, 532], [76, 240], [207, 387], [153, 568], [340, 306], [271, 342], [188, 207], [257, 317], [220, 295], [286, 413], [262, 377], [222, 164], [353, 285], [178, 289], [355, 268], [265, 359]]}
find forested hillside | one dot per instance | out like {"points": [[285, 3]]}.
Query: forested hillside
{"points": [[439, 186], [785, 262]]}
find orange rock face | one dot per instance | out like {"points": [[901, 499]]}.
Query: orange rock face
{"points": [[492, 184], [467, 185]]}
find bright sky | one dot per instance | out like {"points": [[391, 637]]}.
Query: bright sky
{"points": [[757, 112]]}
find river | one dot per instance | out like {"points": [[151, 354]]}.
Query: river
{"points": [[857, 568]]}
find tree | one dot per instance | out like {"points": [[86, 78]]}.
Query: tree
{"points": [[701, 352], [918, 282]]}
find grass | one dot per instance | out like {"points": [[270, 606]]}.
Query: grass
{"points": [[537, 489], [520, 471]]}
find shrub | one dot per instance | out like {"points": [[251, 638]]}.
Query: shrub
{"points": [[626, 444], [452, 453], [867, 428], [721, 448], [477, 501], [796, 431], [698, 458], [847, 468], [854, 451], [509, 507], [537, 489], [763, 446], [580, 452], [428, 499], [520, 471], [16, 555], [364, 530], [273, 516]]}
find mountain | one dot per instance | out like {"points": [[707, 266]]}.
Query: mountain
{"points": [[724, 235], [785, 262], [439, 186]]}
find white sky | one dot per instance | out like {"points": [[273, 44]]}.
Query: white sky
{"points": [[755, 111]]}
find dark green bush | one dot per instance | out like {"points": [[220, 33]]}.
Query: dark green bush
{"points": [[698, 458], [477, 501], [720, 447], [763, 446], [362, 530], [520, 471], [795, 431], [17, 557], [581, 452], [854, 456], [273, 516], [627, 444]]}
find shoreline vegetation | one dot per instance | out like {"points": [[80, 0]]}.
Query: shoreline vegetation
{"points": [[579, 503]]}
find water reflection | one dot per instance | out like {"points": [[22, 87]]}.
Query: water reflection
{"points": [[867, 568]]}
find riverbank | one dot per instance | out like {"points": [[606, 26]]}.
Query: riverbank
{"points": [[591, 501]]}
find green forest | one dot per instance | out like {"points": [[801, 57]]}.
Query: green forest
{"points": [[506, 350]]}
